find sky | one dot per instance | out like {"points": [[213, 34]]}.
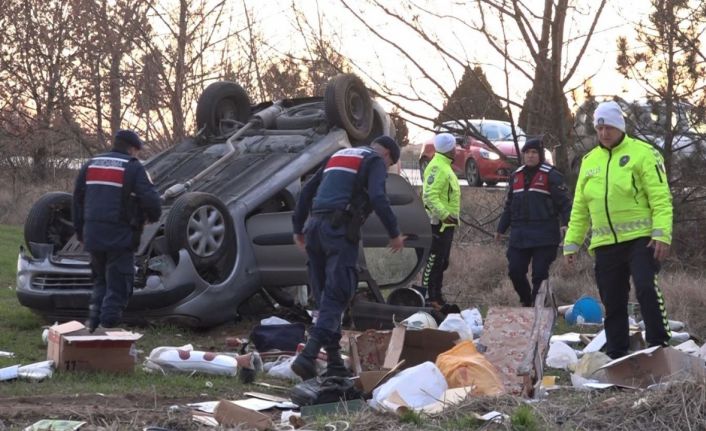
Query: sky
{"points": [[379, 61]]}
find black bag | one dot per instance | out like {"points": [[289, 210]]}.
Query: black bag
{"points": [[277, 337], [322, 390]]}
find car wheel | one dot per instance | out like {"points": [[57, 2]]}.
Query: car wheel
{"points": [[201, 224], [348, 105], [423, 163], [491, 183], [472, 174], [222, 107], [49, 220], [305, 116]]}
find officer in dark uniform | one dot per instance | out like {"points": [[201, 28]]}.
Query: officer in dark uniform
{"points": [[337, 200], [536, 210], [113, 197]]}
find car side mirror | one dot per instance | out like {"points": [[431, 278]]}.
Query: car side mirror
{"points": [[463, 142]]}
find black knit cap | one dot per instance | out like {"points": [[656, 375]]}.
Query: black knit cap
{"points": [[391, 146], [533, 144]]}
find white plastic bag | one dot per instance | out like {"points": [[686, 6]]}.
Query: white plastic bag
{"points": [[474, 319], [416, 386], [455, 323], [282, 369], [273, 320], [419, 320], [560, 355]]}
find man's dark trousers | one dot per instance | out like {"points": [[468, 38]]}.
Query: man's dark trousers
{"points": [[438, 261], [113, 273], [518, 264], [333, 275], [614, 266]]}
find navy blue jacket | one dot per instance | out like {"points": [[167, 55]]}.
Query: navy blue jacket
{"points": [[537, 204], [353, 176], [103, 206]]}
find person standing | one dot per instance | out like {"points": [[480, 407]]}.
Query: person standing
{"points": [[441, 194], [536, 211], [622, 191], [332, 207], [113, 195]]}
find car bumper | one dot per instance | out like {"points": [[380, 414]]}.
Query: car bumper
{"points": [[60, 287], [496, 170]]}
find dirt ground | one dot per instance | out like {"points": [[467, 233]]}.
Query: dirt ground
{"points": [[127, 412]]}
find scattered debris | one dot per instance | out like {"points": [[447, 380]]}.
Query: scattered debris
{"points": [[55, 425]]}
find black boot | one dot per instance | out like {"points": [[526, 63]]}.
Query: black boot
{"points": [[305, 363], [335, 367], [93, 318]]}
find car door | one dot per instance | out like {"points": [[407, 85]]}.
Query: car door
{"points": [[281, 263]]}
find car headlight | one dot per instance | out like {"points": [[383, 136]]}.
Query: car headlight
{"points": [[488, 154]]}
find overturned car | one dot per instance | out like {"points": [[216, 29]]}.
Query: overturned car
{"points": [[228, 194]]}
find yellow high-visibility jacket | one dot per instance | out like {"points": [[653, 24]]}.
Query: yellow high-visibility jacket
{"points": [[441, 192], [624, 194]]}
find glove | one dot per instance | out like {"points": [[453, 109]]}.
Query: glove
{"points": [[450, 220]]}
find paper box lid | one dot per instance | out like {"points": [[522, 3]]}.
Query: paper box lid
{"points": [[415, 347], [653, 365]]}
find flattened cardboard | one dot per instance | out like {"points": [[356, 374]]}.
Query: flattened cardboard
{"points": [[369, 380], [73, 348], [416, 347], [229, 414], [654, 365]]}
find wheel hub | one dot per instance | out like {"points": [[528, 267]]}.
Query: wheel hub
{"points": [[205, 231]]}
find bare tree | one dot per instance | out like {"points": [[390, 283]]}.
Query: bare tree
{"points": [[39, 72], [538, 56], [670, 64]]}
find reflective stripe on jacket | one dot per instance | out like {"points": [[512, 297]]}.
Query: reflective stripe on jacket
{"points": [[537, 204], [441, 191], [624, 194]]}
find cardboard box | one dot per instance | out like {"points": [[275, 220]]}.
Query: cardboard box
{"points": [[229, 414], [654, 365], [73, 348], [415, 347]]}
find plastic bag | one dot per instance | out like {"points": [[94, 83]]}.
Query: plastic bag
{"points": [[416, 387], [561, 355], [455, 323], [463, 366], [277, 337], [323, 390], [282, 369], [420, 320], [474, 319], [273, 320]]}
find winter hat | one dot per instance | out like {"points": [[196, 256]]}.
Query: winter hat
{"points": [[609, 114], [444, 142], [532, 144], [130, 138], [391, 146]]}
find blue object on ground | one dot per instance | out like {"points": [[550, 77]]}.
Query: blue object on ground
{"points": [[586, 310]]}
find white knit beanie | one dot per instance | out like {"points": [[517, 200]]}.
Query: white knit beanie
{"points": [[609, 114], [444, 142]]}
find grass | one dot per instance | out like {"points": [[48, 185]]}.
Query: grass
{"points": [[21, 334]]}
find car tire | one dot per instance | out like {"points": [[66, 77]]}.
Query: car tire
{"points": [[306, 116], [221, 107], [472, 174], [348, 105], [49, 220], [423, 163], [201, 224]]}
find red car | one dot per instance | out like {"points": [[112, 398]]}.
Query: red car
{"points": [[475, 161]]}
